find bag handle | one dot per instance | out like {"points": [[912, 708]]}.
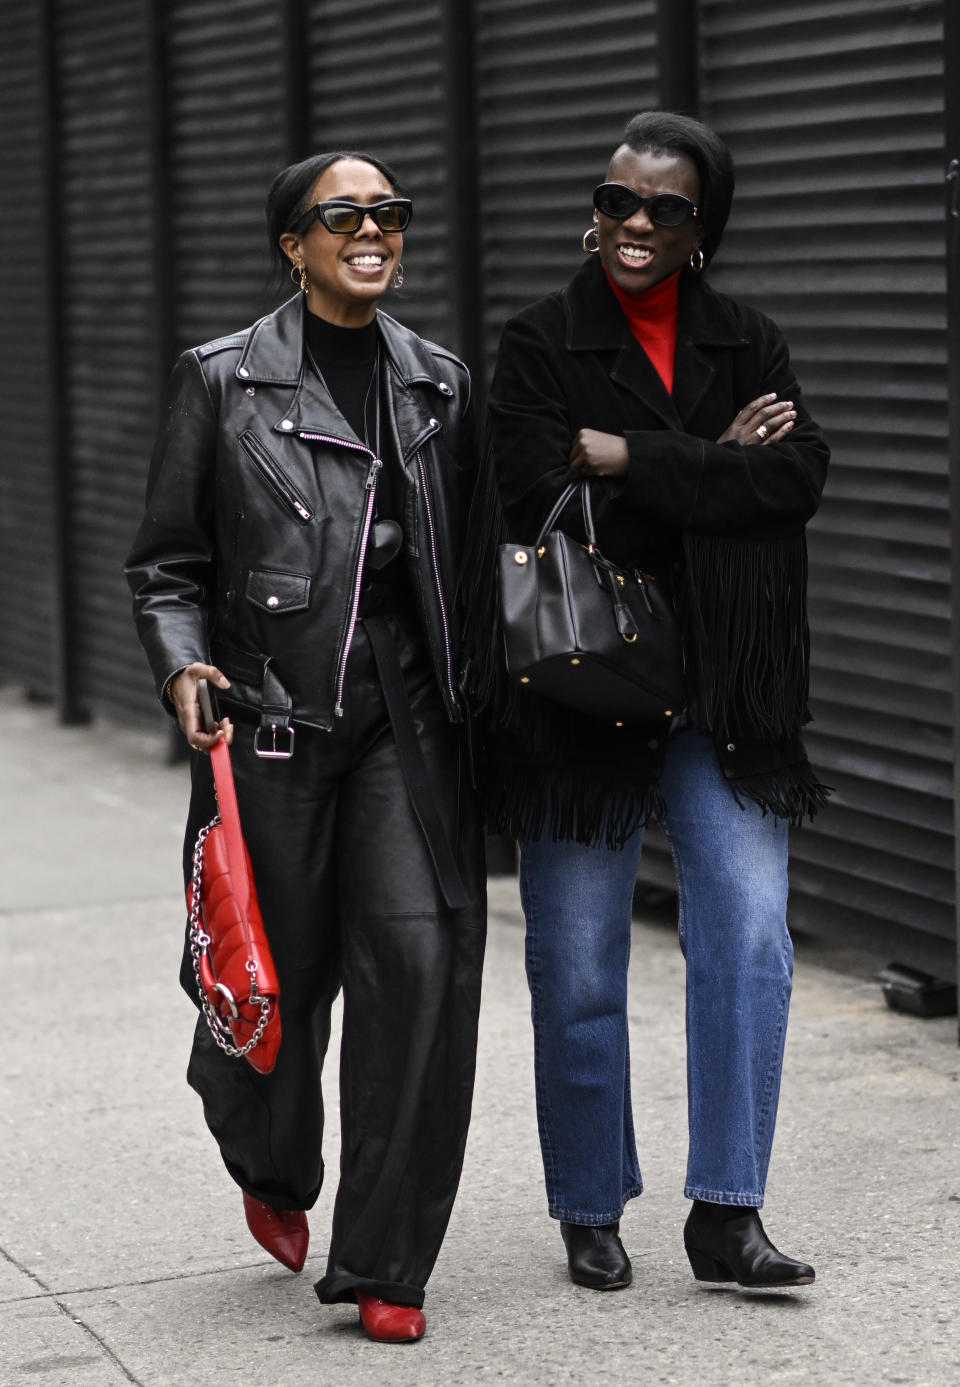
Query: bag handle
{"points": [[230, 819], [566, 495], [622, 614]]}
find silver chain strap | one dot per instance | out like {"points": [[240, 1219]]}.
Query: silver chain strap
{"points": [[199, 944]]}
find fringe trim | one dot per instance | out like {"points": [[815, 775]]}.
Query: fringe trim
{"points": [[483, 678], [793, 793], [549, 770], [533, 802], [746, 634]]}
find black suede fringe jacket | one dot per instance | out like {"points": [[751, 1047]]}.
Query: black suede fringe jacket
{"points": [[723, 523]]}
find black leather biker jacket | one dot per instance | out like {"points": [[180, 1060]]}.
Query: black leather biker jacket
{"points": [[259, 502]]}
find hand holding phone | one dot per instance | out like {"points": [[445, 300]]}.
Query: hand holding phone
{"points": [[209, 712], [192, 693]]}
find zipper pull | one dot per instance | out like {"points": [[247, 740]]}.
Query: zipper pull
{"points": [[375, 465]]}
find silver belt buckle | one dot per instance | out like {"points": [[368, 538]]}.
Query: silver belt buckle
{"points": [[271, 753]]}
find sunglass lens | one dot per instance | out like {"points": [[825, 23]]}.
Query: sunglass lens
{"points": [[668, 209], [393, 217], [341, 219], [613, 200]]}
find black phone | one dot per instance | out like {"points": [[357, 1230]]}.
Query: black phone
{"points": [[209, 711]]}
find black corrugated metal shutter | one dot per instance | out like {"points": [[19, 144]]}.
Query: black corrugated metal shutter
{"points": [[377, 83], [27, 469], [834, 112], [557, 83], [108, 305], [225, 85]]}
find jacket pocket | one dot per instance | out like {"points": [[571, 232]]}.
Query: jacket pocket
{"points": [[277, 592], [274, 475]]}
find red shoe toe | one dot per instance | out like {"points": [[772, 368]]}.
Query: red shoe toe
{"points": [[390, 1324], [283, 1233]]}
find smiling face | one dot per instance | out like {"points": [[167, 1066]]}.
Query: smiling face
{"points": [[347, 274], [636, 252]]}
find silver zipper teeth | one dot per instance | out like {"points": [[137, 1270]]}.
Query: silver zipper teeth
{"points": [[436, 574], [370, 484]]}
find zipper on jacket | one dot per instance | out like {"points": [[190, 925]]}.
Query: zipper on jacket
{"points": [[275, 477], [370, 486], [435, 563]]}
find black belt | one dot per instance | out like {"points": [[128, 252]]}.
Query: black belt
{"points": [[414, 767]]}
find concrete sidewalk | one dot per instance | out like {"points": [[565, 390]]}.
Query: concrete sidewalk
{"points": [[124, 1257]]}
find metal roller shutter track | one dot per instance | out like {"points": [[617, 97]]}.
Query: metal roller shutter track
{"points": [[226, 114], [103, 54], [557, 83], [377, 83], [835, 117]]}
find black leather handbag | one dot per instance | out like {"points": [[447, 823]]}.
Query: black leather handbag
{"points": [[581, 631]]}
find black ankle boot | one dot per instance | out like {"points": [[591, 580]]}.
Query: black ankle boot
{"points": [[727, 1243], [595, 1256]]}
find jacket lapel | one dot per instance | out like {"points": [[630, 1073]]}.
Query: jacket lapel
{"points": [[634, 370], [595, 322], [703, 326], [274, 355]]}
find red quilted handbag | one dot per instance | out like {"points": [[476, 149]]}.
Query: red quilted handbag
{"points": [[236, 977]]}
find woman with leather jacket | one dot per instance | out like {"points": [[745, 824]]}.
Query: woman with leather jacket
{"points": [[679, 409], [304, 518]]}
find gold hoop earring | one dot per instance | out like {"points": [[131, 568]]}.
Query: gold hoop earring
{"points": [[591, 250], [696, 260], [397, 281]]}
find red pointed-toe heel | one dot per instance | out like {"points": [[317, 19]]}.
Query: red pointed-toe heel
{"points": [[390, 1324], [281, 1232]]}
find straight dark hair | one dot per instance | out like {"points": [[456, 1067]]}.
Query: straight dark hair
{"points": [[667, 132], [287, 198]]}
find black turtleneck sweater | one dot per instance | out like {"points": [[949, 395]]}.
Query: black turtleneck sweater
{"points": [[346, 359]]}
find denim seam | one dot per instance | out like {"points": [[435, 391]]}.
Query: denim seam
{"points": [[762, 1145], [550, 1164]]}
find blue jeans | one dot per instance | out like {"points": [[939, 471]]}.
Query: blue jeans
{"points": [[731, 866]]}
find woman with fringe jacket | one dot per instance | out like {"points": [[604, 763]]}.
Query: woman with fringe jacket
{"points": [[680, 409]]}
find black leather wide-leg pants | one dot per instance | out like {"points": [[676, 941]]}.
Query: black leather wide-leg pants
{"points": [[349, 899]]}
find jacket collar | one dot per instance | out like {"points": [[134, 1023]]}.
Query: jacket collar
{"points": [[274, 355], [596, 322]]}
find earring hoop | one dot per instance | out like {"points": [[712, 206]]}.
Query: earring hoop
{"points": [[591, 250], [696, 260], [397, 281]]}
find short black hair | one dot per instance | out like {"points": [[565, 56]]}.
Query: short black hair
{"points": [[287, 198], [668, 132]]}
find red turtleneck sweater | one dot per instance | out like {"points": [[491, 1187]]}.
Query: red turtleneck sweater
{"points": [[652, 315]]}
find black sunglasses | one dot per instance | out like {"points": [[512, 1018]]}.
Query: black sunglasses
{"points": [[343, 217], [618, 201]]}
